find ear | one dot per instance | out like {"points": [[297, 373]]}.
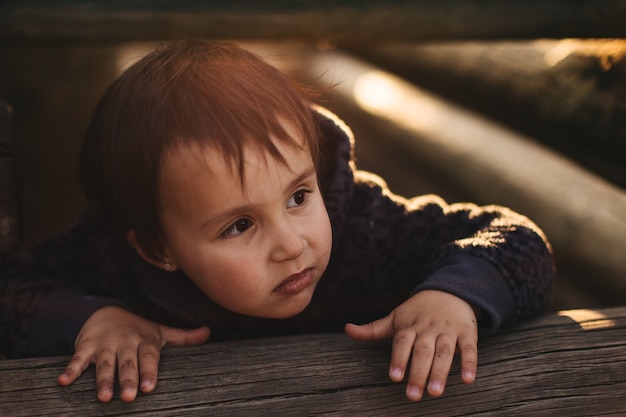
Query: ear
{"points": [[165, 263]]}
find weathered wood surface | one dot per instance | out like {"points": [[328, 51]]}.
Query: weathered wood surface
{"points": [[572, 363], [342, 21], [569, 94]]}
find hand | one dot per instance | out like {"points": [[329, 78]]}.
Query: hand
{"points": [[113, 336], [430, 326]]}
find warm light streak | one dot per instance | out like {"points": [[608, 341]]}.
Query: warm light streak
{"points": [[606, 51], [388, 96], [560, 51], [588, 319]]}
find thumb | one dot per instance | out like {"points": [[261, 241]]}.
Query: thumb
{"points": [[184, 337], [376, 330]]}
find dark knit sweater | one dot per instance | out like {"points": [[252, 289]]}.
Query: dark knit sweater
{"points": [[385, 248]]}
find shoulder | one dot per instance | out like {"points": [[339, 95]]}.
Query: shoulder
{"points": [[335, 167], [336, 146]]}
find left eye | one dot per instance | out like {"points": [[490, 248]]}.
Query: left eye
{"points": [[298, 199], [238, 228]]}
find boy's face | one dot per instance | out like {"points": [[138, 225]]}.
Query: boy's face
{"points": [[259, 249]]}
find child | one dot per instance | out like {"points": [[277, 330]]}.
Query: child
{"points": [[223, 202]]}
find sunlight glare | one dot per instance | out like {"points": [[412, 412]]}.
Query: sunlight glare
{"points": [[588, 319], [390, 97], [559, 52]]}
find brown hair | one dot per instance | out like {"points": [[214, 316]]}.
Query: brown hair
{"points": [[210, 93]]}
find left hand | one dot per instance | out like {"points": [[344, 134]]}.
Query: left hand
{"points": [[430, 326]]}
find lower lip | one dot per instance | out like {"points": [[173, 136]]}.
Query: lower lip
{"points": [[296, 284]]}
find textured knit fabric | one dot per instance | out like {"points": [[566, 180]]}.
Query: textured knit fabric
{"points": [[385, 248]]}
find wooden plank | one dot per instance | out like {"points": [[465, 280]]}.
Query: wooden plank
{"points": [[573, 363], [342, 21]]}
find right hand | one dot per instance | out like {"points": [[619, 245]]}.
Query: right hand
{"points": [[426, 330], [116, 338]]}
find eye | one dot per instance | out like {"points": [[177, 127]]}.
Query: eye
{"points": [[299, 198], [237, 228]]}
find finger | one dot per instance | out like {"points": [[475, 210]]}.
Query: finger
{"points": [[183, 337], [75, 368], [442, 361], [149, 356], [128, 374], [469, 359], [376, 330], [400, 352], [423, 351], [105, 375]]}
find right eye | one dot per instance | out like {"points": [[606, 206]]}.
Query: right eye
{"points": [[237, 228]]}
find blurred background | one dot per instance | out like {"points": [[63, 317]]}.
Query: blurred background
{"points": [[492, 102]]}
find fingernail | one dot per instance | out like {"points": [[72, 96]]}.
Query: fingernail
{"points": [[414, 393], [469, 375], [435, 386], [395, 374], [146, 383]]}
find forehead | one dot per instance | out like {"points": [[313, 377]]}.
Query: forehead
{"points": [[193, 172], [231, 148]]}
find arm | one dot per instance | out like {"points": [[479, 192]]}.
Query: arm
{"points": [[471, 259], [495, 259], [47, 294], [66, 296]]}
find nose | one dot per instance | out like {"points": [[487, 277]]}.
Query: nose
{"points": [[288, 243]]}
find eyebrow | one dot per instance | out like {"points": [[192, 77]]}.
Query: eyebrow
{"points": [[234, 212]]}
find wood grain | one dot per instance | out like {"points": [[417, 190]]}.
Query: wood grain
{"points": [[556, 365]]}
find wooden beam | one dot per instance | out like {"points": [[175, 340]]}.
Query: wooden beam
{"points": [[572, 363], [340, 21], [569, 94]]}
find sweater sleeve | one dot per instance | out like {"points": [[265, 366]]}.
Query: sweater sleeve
{"points": [[57, 319], [493, 258], [47, 294]]}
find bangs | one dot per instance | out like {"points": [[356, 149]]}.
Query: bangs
{"points": [[234, 100]]}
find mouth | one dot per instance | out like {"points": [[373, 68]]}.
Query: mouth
{"points": [[295, 283]]}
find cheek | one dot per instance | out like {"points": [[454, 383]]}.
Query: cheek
{"points": [[214, 273], [322, 230], [224, 278]]}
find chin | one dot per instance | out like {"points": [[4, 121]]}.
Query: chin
{"points": [[291, 308], [293, 312]]}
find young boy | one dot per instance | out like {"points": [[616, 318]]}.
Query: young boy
{"points": [[223, 202]]}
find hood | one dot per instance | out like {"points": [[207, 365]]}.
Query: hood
{"points": [[336, 167]]}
